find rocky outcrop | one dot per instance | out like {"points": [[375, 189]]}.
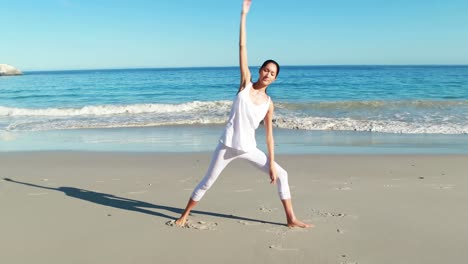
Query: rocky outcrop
{"points": [[6, 70]]}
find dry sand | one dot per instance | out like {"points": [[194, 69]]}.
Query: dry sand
{"points": [[73, 207]]}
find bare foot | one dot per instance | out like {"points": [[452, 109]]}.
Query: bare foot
{"points": [[181, 222], [297, 223]]}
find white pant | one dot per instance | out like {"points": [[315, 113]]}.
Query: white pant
{"points": [[224, 155]]}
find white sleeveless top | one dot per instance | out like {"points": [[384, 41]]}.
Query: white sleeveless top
{"points": [[244, 118]]}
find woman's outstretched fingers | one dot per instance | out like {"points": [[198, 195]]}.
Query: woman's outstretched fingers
{"points": [[246, 6]]}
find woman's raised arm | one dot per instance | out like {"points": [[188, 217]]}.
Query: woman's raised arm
{"points": [[244, 66]]}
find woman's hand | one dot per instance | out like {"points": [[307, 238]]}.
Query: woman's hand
{"points": [[273, 176], [246, 6]]}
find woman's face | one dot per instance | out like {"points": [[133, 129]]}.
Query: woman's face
{"points": [[268, 74]]}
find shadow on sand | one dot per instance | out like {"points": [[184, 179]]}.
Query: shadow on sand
{"points": [[130, 204]]}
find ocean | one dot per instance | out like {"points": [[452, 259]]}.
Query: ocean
{"points": [[184, 109]]}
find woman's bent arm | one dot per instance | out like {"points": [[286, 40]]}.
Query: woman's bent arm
{"points": [[268, 121]]}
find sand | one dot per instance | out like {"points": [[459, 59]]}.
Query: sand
{"points": [[79, 207]]}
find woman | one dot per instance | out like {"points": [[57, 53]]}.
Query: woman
{"points": [[251, 105]]}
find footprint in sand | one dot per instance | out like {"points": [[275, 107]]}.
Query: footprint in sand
{"points": [[280, 248], [319, 213], [200, 225], [267, 210], [347, 261]]}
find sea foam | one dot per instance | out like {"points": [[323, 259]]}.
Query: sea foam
{"points": [[407, 117]]}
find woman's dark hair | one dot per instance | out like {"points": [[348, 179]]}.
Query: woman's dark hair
{"points": [[277, 67], [275, 63]]}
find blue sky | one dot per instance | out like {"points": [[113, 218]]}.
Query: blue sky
{"points": [[82, 34]]}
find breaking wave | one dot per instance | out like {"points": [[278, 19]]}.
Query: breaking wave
{"points": [[408, 117]]}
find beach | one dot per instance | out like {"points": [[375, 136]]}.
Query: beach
{"points": [[95, 164], [113, 207]]}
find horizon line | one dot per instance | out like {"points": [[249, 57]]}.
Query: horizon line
{"points": [[212, 67]]}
